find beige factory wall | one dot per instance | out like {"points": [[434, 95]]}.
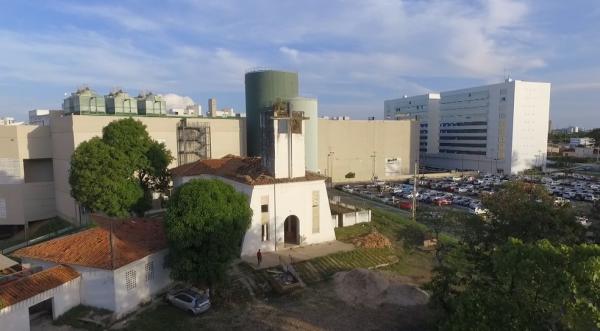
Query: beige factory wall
{"points": [[349, 146], [22, 202], [227, 137]]}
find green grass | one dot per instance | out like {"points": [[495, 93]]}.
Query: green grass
{"points": [[50, 226], [349, 232], [321, 268]]}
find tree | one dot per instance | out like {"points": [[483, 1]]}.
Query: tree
{"points": [[206, 221], [519, 267], [112, 192], [527, 212], [536, 286], [130, 137], [125, 164]]}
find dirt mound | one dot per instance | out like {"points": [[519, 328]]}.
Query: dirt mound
{"points": [[362, 287], [372, 240]]}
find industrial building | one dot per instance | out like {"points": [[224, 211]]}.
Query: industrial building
{"points": [[35, 159], [500, 128], [384, 150]]}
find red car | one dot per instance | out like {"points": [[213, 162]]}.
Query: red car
{"points": [[443, 202], [405, 205]]}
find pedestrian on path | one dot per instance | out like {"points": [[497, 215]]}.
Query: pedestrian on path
{"points": [[259, 257]]}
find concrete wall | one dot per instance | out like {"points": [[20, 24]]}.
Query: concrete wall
{"points": [[349, 146], [128, 300], [351, 218], [107, 288], [529, 138], [19, 144], [64, 297], [69, 131]]}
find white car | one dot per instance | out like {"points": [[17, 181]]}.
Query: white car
{"points": [[190, 299]]}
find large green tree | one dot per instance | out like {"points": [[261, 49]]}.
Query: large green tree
{"points": [[101, 180], [205, 221], [536, 286], [116, 174], [518, 268], [527, 212]]}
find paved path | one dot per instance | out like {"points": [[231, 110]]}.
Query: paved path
{"points": [[298, 254]]}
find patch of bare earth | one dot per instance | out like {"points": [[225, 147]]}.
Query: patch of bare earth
{"points": [[318, 307]]}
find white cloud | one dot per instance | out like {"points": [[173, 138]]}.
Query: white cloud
{"points": [[177, 101]]}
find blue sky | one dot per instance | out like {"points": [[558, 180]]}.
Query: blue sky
{"points": [[351, 55]]}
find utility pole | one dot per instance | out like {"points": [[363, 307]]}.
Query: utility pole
{"points": [[414, 195], [373, 170]]}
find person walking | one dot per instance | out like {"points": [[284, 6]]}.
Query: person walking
{"points": [[259, 257]]}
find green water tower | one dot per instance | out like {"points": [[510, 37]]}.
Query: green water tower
{"points": [[263, 88]]}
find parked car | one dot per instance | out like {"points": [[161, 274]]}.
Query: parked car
{"points": [[405, 205], [190, 299]]}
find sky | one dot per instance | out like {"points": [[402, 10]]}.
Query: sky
{"points": [[350, 54]]}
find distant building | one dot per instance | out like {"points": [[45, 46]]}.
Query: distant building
{"points": [[190, 110], [225, 112], [9, 121], [582, 142], [569, 130], [500, 128], [212, 107]]}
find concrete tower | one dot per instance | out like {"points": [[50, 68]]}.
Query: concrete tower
{"points": [[309, 107], [282, 150], [263, 89]]}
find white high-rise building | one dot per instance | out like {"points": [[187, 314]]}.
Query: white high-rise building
{"points": [[500, 128]]}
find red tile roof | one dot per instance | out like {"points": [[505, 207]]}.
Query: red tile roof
{"points": [[27, 287], [246, 170], [133, 239]]}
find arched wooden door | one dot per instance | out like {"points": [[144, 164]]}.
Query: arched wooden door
{"points": [[291, 233]]}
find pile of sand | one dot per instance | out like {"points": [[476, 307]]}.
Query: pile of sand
{"points": [[372, 240], [362, 287]]}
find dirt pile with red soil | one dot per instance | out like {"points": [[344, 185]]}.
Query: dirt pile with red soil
{"points": [[372, 240]]}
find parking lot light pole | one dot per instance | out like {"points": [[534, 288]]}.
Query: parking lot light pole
{"points": [[414, 195]]}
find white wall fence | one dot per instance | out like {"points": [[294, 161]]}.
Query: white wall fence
{"points": [[351, 218]]}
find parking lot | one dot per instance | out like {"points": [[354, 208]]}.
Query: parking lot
{"points": [[465, 193]]}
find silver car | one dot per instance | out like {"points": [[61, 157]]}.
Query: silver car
{"points": [[190, 299]]}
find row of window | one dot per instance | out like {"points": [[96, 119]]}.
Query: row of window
{"points": [[464, 123], [450, 151], [462, 145], [424, 125], [423, 131], [423, 137], [462, 138], [465, 131]]}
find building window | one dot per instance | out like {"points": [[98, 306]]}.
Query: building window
{"points": [[315, 212], [130, 280], [149, 271], [264, 232], [264, 208]]}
